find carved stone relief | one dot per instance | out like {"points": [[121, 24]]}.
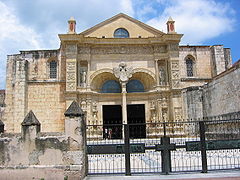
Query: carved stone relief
{"points": [[123, 72], [175, 83], [123, 50], [175, 74], [83, 50], [71, 76], [94, 111], [70, 48], [175, 65], [164, 114], [173, 47], [153, 115], [160, 49], [83, 105], [71, 66], [177, 114]]}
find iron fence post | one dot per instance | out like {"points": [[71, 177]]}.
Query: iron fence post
{"points": [[127, 150], [166, 155], [203, 146]]}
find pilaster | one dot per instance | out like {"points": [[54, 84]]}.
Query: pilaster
{"points": [[71, 67], [20, 93]]}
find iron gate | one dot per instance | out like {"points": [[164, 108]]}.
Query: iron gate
{"points": [[167, 147]]}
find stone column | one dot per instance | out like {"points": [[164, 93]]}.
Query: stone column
{"points": [[88, 75], [157, 71], [123, 73], [75, 131], [124, 103]]}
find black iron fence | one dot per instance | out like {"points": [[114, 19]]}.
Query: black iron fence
{"points": [[208, 144]]}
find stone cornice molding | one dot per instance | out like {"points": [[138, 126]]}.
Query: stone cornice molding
{"points": [[80, 39]]}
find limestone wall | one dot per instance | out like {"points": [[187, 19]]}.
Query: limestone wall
{"points": [[220, 96], [16, 90], [38, 67], [202, 57], [209, 61], [28, 86], [47, 100]]}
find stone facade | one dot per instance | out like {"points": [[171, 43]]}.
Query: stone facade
{"points": [[86, 61]]}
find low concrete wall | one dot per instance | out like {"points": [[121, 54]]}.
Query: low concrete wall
{"points": [[36, 155]]}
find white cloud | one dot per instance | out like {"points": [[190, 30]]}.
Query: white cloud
{"points": [[198, 20], [13, 37], [127, 7], [36, 24]]}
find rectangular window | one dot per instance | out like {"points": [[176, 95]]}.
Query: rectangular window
{"points": [[53, 69]]}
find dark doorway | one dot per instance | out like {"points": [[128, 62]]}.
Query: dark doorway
{"points": [[112, 121], [136, 119]]}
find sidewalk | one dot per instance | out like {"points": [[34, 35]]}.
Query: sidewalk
{"points": [[216, 175]]}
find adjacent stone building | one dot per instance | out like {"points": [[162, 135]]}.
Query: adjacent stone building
{"points": [[119, 71]]}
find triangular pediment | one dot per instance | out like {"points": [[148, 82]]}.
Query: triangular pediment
{"points": [[135, 28]]}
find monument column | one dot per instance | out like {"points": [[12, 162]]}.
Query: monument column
{"points": [[124, 102], [123, 73]]}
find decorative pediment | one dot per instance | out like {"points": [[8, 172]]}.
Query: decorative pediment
{"points": [[135, 28]]}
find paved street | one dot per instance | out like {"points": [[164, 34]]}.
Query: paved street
{"points": [[212, 175]]}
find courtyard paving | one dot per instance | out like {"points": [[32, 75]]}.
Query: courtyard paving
{"points": [[212, 175]]}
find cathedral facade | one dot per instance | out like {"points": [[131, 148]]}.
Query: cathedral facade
{"points": [[119, 71]]}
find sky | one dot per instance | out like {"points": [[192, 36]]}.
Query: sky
{"points": [[35, 24]]}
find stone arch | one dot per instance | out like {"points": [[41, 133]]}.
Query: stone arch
{"points": [[146, 76], [98, 78]]}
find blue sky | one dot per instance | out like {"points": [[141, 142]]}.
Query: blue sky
{"points": [[30, 25]]}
